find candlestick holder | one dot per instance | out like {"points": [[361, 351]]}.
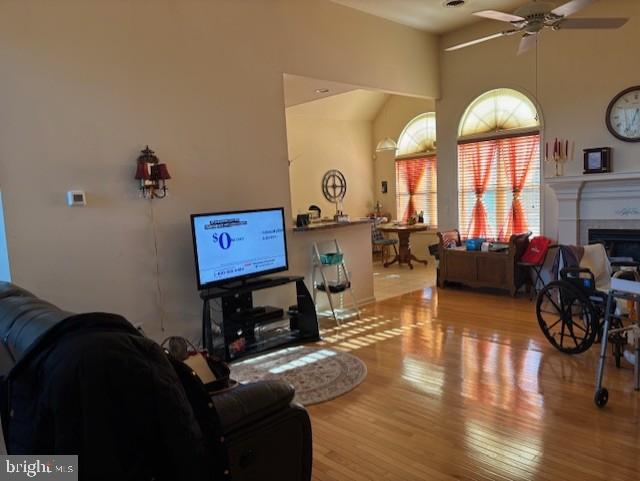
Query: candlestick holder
{"points": [[562, 153]]}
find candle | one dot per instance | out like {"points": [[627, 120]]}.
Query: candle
{"points": [[566, 149]]}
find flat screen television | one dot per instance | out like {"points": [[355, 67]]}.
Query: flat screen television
{"points": [[232, 246]]}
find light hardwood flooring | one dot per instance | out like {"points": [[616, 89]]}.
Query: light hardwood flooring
{"points": [[397, 279], [462, 385]]}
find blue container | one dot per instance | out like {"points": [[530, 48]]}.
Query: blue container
{"points": [[331, 258], [474, 244]]}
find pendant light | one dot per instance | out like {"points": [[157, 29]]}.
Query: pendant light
{"points": [[387, 144]]}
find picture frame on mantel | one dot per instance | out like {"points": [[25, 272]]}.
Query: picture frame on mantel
{"points": [[597, 161]]}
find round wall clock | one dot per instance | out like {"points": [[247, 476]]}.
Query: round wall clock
{"points": [[623, 115]]}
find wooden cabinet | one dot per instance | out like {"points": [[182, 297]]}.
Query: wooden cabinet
{"points": [[497, 270]]}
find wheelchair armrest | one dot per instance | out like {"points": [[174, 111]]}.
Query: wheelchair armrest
{"points": [[574, 272], [566, 271]]}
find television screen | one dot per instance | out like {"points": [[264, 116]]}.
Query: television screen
{"points": [[237, 245]]}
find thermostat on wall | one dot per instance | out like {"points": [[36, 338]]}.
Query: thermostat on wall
{"points": [[76, 198]]}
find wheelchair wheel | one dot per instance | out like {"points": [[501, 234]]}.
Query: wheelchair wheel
{"points": [[567, 317]]}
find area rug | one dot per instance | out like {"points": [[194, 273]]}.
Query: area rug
{"points": [[318, 375]]}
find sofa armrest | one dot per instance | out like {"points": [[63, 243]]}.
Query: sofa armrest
{"points": [[249, 403]]}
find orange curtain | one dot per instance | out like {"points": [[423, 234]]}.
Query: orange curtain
{"points": [[518, 154], [411, 170], [481, 155]]}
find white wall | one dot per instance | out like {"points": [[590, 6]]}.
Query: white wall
{"points": [[333, 133], [579, 73], [86, 84]]}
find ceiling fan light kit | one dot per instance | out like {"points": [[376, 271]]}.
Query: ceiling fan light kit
{"points": [[532, 19]]}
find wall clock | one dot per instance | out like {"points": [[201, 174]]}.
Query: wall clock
{"points": [[623, 115]]}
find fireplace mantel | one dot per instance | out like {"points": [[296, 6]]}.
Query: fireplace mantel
{"points": [[583, 179], [614, 196]]}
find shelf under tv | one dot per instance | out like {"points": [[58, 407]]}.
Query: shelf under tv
{"points": [[237, 338]]}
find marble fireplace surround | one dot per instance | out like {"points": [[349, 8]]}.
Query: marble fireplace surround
{"points": [[595, 201]]}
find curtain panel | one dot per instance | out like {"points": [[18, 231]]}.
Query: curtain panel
{"points": [[416, 188]]}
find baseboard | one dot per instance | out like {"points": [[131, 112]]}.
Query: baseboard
{"points": [[367, 300]]}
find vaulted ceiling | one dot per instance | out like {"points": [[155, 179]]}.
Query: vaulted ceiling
{"points": [[430, 15]]}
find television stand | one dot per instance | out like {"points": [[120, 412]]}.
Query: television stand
{"points": [[249, 329], [255, 283]]}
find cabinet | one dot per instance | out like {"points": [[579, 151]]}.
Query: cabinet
{"points": [[498, 270]]}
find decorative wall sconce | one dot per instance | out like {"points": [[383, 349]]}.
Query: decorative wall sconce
{"points": [[152, 175]]}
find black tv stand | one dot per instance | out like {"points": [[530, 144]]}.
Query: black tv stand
{"points": [[254, 282], [242, 322]]}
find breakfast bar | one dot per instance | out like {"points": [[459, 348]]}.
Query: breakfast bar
{"points": [[354, 238]]}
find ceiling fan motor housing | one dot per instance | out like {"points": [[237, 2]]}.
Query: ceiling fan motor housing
{"points": [[537, 15], [535, 10]]}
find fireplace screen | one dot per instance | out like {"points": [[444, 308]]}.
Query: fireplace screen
{"points": [[618, 242]]}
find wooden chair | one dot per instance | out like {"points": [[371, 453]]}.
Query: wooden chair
{"points": [[380, 241]]}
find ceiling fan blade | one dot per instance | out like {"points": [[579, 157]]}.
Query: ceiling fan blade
{"points": [[593, 22], [479, 40], [572, 7], [527, 43], [500, 16]]}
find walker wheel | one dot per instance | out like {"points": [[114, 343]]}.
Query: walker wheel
{"points": [[601, 397]]}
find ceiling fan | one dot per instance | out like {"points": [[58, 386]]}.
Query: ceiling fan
{"points": [[535, 17]]}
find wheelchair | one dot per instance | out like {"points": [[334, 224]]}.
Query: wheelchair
{"points": [[571, 310]]}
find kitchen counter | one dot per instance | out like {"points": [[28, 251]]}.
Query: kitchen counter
{"points": [[330, 225], [354, 238]]}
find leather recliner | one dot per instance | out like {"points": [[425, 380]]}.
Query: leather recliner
{"points": [[266, 435]]}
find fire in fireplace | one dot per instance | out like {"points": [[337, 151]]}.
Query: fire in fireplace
{"points": [[618, 242]]}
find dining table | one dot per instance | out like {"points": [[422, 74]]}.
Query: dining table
{"points": [[404, 231]]}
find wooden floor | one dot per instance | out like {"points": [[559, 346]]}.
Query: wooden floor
{"points": [[463, 385]]}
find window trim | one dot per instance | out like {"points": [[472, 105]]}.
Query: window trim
{"points": [[417, 155], [501, 134]]}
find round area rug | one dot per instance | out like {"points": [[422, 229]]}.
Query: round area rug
{"points": [[318, 375]]}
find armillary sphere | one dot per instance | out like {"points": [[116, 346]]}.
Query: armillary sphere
{"points": [[334, 186]]}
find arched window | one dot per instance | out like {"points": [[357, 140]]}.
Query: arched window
{"points": [[499, 166], [416, 170], [418, 136]]}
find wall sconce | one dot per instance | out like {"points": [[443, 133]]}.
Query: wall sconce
{"points": [[152, 175]]}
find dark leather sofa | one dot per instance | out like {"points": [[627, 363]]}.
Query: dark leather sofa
{"points": [[263, 434]]}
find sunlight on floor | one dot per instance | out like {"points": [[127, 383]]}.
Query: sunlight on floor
{"points": [[359, 333]]}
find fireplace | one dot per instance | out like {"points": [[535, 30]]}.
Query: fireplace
{"points": [[618, 242]]}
